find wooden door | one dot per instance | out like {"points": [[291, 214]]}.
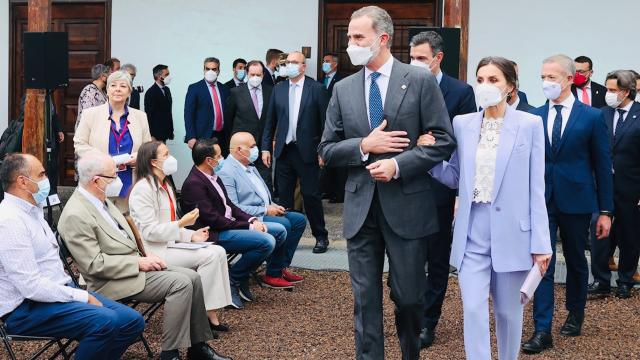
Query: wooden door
{"points": [[335, 16], [88, 26]]}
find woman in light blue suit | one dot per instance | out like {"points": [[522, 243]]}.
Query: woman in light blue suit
{"points": [[501, 226]]}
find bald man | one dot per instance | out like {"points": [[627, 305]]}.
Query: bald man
{"points": [[250, 193]]}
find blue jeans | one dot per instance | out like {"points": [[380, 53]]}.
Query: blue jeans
{"points": [[103, 332], [254, 246], [294, 223]]}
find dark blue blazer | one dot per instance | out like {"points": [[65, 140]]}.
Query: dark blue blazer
{"points": [[198, 110], [626, 154], [458, 96], [523, 97], [313, 109], [584, 156]]}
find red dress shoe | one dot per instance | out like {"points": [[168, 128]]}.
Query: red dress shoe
{"points": [[276, 282], [291, 277]]}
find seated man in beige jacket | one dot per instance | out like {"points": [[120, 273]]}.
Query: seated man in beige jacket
{"points": [[104, 247]]}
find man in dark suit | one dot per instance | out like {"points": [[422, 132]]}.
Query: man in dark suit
{"points": [[586, 91], [621, 116], [295, 120], [271, 60], [157, 105], [373, 121], [134, 98], [332, 179], [247, 108], [204, 108], [230, 227], [427, 51], [239, 73], [578, 183]]}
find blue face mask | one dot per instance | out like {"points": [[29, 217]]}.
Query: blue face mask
{"points": [[43, 190], [293, 70], [219, 166], [240, 74], [326, 67], [253, 154]]}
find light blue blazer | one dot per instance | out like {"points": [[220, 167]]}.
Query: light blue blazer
{"points": [[241, 190], [519, 222]]}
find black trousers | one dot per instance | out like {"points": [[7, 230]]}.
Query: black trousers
{"points": [[406, 279], [265, 173], [600, 254], [438, 252], [290, 168], [626, 231], [333, 180]]}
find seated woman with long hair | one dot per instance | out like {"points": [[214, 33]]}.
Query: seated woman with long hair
{"points": [[152, 204]]}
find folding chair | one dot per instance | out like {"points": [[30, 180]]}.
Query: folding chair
{"points": [[8, 339], [67, 261]]}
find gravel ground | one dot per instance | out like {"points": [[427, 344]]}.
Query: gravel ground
{"points": [[315, 322]]}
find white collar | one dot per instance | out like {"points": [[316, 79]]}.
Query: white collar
{"points": [[299, 83], [92, 198], [385, 69], [568, 102], [626, 108]]}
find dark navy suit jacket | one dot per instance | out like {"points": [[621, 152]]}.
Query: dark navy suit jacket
{"points": [[198, 110], [626, 154], [313, 109], [578, 177]]}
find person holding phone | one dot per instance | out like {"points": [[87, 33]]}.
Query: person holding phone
{"points": [[153, 207]]}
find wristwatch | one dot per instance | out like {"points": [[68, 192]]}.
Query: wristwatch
{"points": [[607, 213]]}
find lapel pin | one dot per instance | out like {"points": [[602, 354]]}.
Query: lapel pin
{"points": [[403, 87], [634, 116]]}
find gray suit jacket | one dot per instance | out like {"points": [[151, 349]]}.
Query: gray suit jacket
{"points": [[414, 104]]}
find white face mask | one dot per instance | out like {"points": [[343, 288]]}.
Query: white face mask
{"points": [[293, 70], [551, 89], [488, 95], [210, 76], [170, 165], [611, 98], [637, 99], [167, 80], [113, 188], [255, 81], [420, 64], [362, 55], [282, 71]]}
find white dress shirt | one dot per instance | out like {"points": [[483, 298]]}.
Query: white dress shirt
{"points": [[383, 85], [30, 265], [515, 103], [579, 93], [258, 95], [293, 113], [439, 77], [616, 115], [567, 105]]}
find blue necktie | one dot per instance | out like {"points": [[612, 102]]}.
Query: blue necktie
{"points": [[556, 133], [376, 112], [619, 125]]}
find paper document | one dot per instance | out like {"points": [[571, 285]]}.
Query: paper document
{"points": [[530, 284], [121, 159], [186, 245]]}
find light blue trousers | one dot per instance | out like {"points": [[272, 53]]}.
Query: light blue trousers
{"points": [[477, 282]]}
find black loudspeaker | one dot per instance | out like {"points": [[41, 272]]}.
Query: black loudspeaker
{"points": [[46, 60], [451, 36]]}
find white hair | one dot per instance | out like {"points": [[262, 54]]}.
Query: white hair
{"points": [[380, 18], [119, 75], [90, 164], [567, 63], [127, 67]]}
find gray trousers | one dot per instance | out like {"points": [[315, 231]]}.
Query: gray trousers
{"points": [[185, 317], [407, 281]]}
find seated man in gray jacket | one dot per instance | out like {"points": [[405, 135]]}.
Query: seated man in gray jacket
{"points": [[249, 192]]}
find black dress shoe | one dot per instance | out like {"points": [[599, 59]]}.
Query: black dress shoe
{"points": [[539, 342], [624, 291], [321, 245], [598, 290], [202, 351], [573, 325], [220, 327], [427, 337]]}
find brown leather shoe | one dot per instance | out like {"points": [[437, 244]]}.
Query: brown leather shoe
{"points": [[612, 264], [636, 277]]}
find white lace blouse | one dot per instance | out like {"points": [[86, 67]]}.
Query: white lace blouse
{"points": [[486, 159]]}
